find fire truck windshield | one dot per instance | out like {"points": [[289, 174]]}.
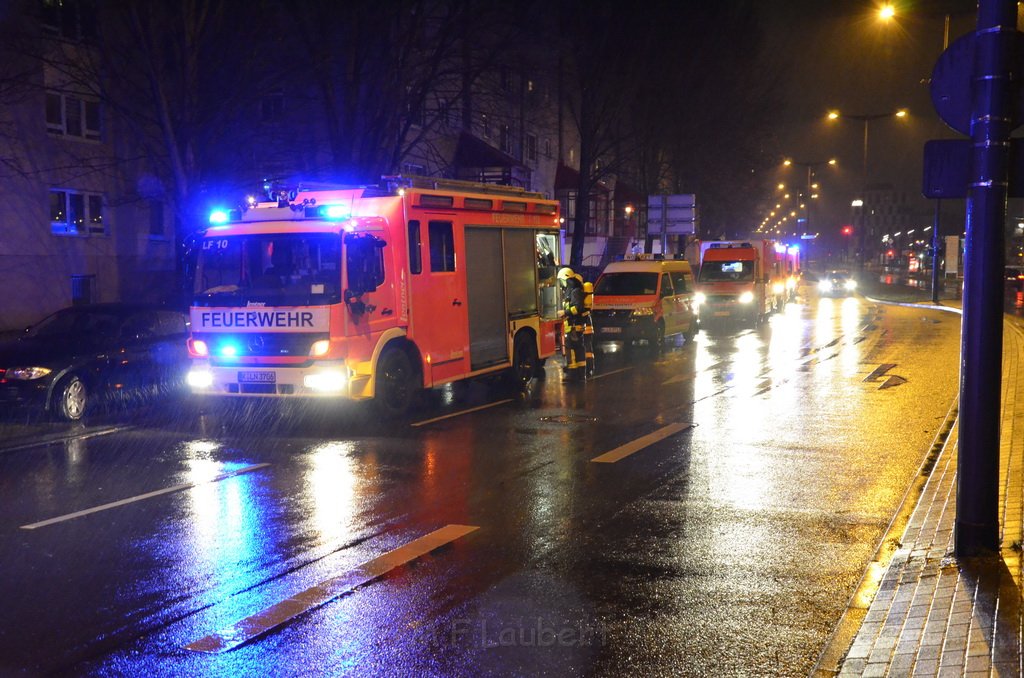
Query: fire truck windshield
{"points": [[726, 271], [274, 269]]}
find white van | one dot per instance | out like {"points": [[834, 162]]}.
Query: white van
{"points": [[644, 300]]}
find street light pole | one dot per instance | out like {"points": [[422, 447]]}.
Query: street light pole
{"points": [[865, 118], [936, 238]]}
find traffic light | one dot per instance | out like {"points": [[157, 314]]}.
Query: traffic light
{"points": [[847, 230]]}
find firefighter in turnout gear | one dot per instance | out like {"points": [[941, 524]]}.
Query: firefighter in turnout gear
{"points": [[573, 305], [588, 327]]}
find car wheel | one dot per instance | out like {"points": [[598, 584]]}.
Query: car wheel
{"points": [[395, 391], [524, 360], [70, 399]]}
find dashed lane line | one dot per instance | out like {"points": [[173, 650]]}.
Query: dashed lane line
{"points": [[140, 497], [245, 630], [635, 446]]}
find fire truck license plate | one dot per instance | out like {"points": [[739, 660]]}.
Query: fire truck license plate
{"points": [[611, 330], [257, 377]]}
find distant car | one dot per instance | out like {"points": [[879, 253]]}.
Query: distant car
{"points": [[837, 283], [88, 355]]}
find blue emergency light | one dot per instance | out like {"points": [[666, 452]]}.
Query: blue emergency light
{"points": [[219, 217]]}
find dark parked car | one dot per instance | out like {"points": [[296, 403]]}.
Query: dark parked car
{"points": [[88, 355]]}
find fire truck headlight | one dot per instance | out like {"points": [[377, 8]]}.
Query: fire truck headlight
{"points": [[199, 378], [198, 347], [825, 286], [643, 311], [851, 285], [700, 298], [334, 380], [747, 298], [320, 348], [778, 288]]}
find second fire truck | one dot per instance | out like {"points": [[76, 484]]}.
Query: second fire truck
{"points": [[375, 293]]}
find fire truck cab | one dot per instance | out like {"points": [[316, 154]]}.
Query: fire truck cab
{"points": [[375, 292], [742, 280]]}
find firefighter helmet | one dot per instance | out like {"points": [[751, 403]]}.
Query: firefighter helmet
{"points": [[588, 288], [566, 273]]}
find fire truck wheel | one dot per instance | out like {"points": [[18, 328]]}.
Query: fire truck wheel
{"points": [[395, 389], [70, 399], [524, 360]]}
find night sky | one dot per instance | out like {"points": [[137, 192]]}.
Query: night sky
{"points": [[840, 56]]}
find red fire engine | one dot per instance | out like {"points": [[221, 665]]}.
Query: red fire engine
{"points": [[375, 292]]}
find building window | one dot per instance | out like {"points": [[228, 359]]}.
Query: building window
{"points": [[547, 148], [506, 139], [74, 213], [69, 19], [531, 147], [81, 289], [72, 116], [486, 124]]}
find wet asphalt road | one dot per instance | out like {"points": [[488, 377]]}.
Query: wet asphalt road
{"points": [[756, 472]]}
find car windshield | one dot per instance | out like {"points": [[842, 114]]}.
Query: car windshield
{"points": [[839, 275], [76, 322], [627, 284], [733, 271], [276, 269]]}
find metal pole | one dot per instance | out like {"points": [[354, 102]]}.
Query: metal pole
{"points": [[935, 253], [864, 199], [976, 530], [936, 238], [807, 226]]}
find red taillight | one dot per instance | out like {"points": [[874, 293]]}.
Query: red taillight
{"points": [[198, 348]]}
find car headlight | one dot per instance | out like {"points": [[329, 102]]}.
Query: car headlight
{"points": [[26, 373], [747, 297], [825, 286], [643, 311], [699, 298], [851, 285], [778, 288]]}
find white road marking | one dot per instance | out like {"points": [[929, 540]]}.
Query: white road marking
{"points": [[462, 412], [246, 629], [624, 451], [140, 497]]}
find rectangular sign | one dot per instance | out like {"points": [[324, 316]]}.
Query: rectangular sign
{"points": [[677, 214], [266, 319]]}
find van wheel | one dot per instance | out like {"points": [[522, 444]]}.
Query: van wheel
{"points": [[70, 399], [524, 360], [691, 332], [395, 391]]}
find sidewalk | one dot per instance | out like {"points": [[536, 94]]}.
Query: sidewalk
{"points": [[933, 615]]}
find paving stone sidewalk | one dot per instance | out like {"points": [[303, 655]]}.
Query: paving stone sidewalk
{"points": [[933, 615]]}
